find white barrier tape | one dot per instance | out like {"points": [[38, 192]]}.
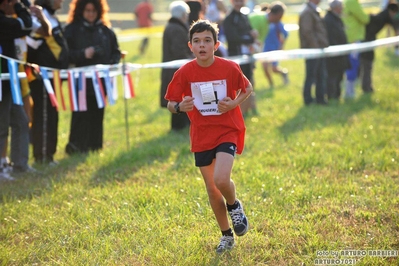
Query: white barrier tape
{"points": [[279, 55], [326, 52]]}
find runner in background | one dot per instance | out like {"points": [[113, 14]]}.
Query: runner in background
{"points": [[143, 13]]}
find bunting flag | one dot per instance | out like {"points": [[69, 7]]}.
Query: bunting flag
{"points": [[108, 87], [72, 91], [58, 88], [49, 88], [128, 86], [115, 90], [14, 82], [82, 101], [98, 89], [31, 72]]}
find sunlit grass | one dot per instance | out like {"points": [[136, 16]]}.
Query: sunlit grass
{"points": [[310, 178]]}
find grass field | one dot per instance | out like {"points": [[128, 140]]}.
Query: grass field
{"points": [[312, 179]]}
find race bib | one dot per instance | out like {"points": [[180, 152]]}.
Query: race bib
{"points": [[207, 96]]}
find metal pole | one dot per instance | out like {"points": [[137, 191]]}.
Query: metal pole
{"points": [[124, 53]]}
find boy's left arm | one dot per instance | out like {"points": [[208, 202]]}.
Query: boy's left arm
{"points": [[228, 104]]}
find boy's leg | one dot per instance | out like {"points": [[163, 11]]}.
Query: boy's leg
{"points": [[215, 196], [222, 173], [217, 202], [223, 166]]}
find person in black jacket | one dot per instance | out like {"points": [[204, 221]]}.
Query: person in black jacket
{"points": [[91, 42], [174, 47], [10, 29], [240, 40], [47, 51], [336, 65], [377, 22]]}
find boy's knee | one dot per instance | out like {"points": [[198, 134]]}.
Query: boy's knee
{"points": [[222, 183]]}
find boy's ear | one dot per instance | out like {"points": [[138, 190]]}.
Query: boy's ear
{"points": [[216, 46], [189, 45]]}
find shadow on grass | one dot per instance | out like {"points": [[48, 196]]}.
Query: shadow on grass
{"points": [[30, 185], [141, 155], [317, 116], [391, 59], [265, 92], [126, 163], [123, 167]]}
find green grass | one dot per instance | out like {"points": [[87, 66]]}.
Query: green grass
{"points": [[310, 178]]}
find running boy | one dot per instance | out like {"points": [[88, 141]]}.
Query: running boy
{"points": [[210, 89]]}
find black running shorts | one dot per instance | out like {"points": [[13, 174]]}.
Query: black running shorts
{"points": [[205, 158]]}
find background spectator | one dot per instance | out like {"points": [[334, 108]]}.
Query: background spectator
{"points": [[215, 11], [11, 28], [336, 65], [21, 116], [355, 21], [50, 51], [91, 42], [377, 23], [271, 35], [240, 39], [143, 13], [313, 34], [197, 10], [174, 47]]}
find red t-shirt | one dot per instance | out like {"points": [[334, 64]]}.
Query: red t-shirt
{"points": [[143, 13], [207, 132]]}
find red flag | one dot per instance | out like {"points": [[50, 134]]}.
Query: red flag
{"points": [[128, 86], [49, 88]]}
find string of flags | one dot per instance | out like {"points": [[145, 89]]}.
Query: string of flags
{"points": [[76, 76], [76, 79]]}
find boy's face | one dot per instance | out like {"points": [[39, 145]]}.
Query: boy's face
{"points": [[203, 46]]}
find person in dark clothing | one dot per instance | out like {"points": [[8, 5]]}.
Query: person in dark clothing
{"points": [[48, 51], [91, 42], [377, 22], [313, 35], [240, 40], [197, 9], [174, 47], [336, 65], [11, 28]]}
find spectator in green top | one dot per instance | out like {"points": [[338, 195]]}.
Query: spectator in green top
{"points": [[355, 20]]}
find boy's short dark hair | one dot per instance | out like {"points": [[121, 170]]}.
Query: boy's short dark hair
{"points": [[204, 25]]}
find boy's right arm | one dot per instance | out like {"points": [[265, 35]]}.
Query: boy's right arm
{"points": [[184, 106]]}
